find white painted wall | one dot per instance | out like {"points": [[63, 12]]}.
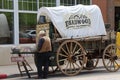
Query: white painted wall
{"points": [[5, 54]]}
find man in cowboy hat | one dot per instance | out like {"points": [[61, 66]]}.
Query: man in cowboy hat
{"points": [[44, 48]]}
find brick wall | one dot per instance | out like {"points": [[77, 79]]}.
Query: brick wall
{"points": [[103, 6], [107, 9]]}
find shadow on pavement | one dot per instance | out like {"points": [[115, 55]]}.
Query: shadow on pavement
{"points": [[58, 74]]}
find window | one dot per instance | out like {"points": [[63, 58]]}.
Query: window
{"points": [[47, 3], [67, 2], [6, 27], [28, 20], [74, 2], [27, 25], [27, 12], [6, 22], [6, 4], [85, 2], [29, 5]]}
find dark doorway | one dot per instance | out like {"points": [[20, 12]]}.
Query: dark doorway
{"points": [[117, 18]]}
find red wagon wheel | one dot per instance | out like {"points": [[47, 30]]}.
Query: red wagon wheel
{"points": [[111, 60], [70, 57]]}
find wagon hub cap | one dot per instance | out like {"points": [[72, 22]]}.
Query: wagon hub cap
{"points": [[71, 58]]}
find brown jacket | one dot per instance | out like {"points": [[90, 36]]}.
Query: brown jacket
{"points": [[46, 45]]}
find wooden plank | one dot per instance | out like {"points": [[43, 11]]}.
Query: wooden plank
{"points": [[94, 38]]}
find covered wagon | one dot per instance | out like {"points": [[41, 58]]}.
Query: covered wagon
{"points": [[78, 37]]}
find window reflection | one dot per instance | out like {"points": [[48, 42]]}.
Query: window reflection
{"points": [[27, 28], [6, 28], [27, 10]]}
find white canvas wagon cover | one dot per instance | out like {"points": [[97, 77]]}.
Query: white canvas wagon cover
{"points": [[75, 21]]}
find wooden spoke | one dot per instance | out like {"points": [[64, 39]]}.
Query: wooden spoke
{"points": [[62, 60], [67, 48], [80, 55], [107, 55], [71, 48], [63, 55], [71, 65], [111, 65], [116, 63], [81, 62], [74, 48], [64, 51], [78, 50], [67, 66], [77, 65], [110, 62]]}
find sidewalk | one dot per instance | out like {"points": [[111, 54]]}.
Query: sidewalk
{"points": [[12, 71], [99, 73]]}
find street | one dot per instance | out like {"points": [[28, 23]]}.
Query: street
{"points": [[99, 73]]}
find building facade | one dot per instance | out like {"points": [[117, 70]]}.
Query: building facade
{"points": [[110, 11], [20, 16]]}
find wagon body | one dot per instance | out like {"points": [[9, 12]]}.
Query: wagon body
{"points": [[78, 36]]}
